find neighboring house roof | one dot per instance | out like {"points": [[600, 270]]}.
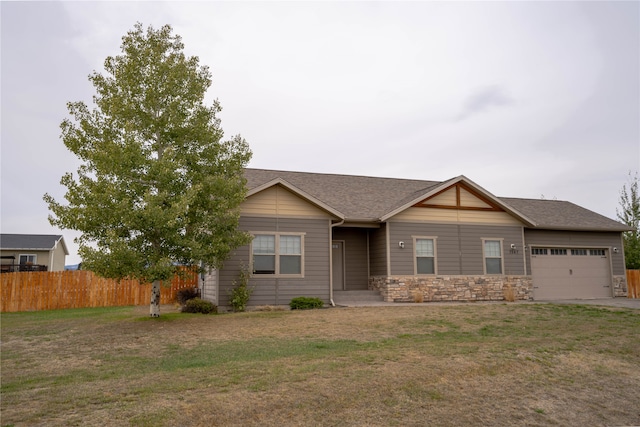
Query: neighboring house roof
{"points": [[363, 198], [31, 242]]}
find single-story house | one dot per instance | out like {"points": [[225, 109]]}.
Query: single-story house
{"points": [[32, 252], [328, 235]]}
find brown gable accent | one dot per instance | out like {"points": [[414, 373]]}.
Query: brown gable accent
{"points": [[457, 197]]}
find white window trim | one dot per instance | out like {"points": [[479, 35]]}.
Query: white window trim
{"points": [[277, 235], [35, 258], [484, 256], [435, 255]]}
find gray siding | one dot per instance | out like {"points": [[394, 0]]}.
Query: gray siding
{"points": [[378, 251], [458, 247], [209, 286], [356, 256], [279, 291], [585, 239]]}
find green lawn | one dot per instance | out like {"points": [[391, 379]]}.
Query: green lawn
{"points": [[462, 364]]}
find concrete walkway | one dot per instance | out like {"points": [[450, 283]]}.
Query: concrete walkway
{"points": [[607, 302]]}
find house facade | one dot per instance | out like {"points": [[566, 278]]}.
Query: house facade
{"points": [[32, 252], [322, 235]]}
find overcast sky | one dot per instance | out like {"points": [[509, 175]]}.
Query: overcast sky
{"points": [[527, 99]]}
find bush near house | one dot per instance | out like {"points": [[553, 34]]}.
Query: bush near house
{"points": [[197, 305], [184, 295], [305, 303]]}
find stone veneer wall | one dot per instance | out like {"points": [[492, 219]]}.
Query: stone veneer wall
{"points": [[620, 286], [451, 288]]}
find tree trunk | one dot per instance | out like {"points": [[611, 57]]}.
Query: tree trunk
{"points": [[154, 307]]}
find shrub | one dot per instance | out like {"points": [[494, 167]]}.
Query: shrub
{"points": [[305, 303], [198, 305], [241, 292], [184, 295], [418, 296], [509, 293]]}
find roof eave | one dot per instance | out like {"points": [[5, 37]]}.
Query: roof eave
{"points": [[574, 228]]}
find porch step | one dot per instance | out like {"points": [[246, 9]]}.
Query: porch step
{"points": [[356, 297]]}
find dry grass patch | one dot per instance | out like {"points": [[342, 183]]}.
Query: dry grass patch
{"points": [[466, 364]]}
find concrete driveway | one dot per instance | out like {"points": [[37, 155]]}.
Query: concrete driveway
{"points": [[609, 302]]}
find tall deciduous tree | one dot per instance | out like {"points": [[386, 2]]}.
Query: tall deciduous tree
{"points": [[157, 186], [629, 213]]}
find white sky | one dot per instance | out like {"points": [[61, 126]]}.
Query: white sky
{"points": [[527, 99]]}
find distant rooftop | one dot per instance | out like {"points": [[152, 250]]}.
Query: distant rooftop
{"points": [[33, 242]]}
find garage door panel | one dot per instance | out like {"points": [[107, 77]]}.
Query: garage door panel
{"points": [[570, 276]]}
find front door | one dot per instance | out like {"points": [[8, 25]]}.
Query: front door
{"points": [[337, 256]]}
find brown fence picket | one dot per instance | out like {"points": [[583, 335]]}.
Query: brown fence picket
{"points": [[633, 283], [33, 291]]}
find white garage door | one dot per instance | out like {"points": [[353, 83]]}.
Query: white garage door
{"points": [[560, 273]]}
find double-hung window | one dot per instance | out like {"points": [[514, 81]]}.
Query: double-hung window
{"points": [[492, 256], [425, 255], [278, 254], [27, 259]]}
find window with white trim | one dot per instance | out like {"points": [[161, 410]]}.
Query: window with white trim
{"points": [[425, 255], [278, 253], [28, 259], [492, 256]]}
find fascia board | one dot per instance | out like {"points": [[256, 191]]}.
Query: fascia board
{"points": [[64, 245], [297, 191], [27, 249], [578, 228]]}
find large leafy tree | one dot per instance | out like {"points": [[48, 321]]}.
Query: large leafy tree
{"points": [[629, 213], [157, 186]]}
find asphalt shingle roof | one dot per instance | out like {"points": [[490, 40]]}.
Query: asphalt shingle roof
{"points": [[41, 242], [370, 198], [559, 214]]}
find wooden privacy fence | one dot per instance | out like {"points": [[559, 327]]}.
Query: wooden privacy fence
{"points": [[633, 283], [78, 289]]}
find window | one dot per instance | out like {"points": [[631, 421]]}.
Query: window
{"points": [[278, 254], [425, 256], [597, 252], [558, 251], [27, 259], [538, 251], [578, 252], [493, 256], [264, 254], [290, 255]]}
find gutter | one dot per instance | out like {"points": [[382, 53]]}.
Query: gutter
{"points": [[333, 304]]}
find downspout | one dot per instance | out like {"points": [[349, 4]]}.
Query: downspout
{"points": [[333, 304], [55, 245], [524, 252]]}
